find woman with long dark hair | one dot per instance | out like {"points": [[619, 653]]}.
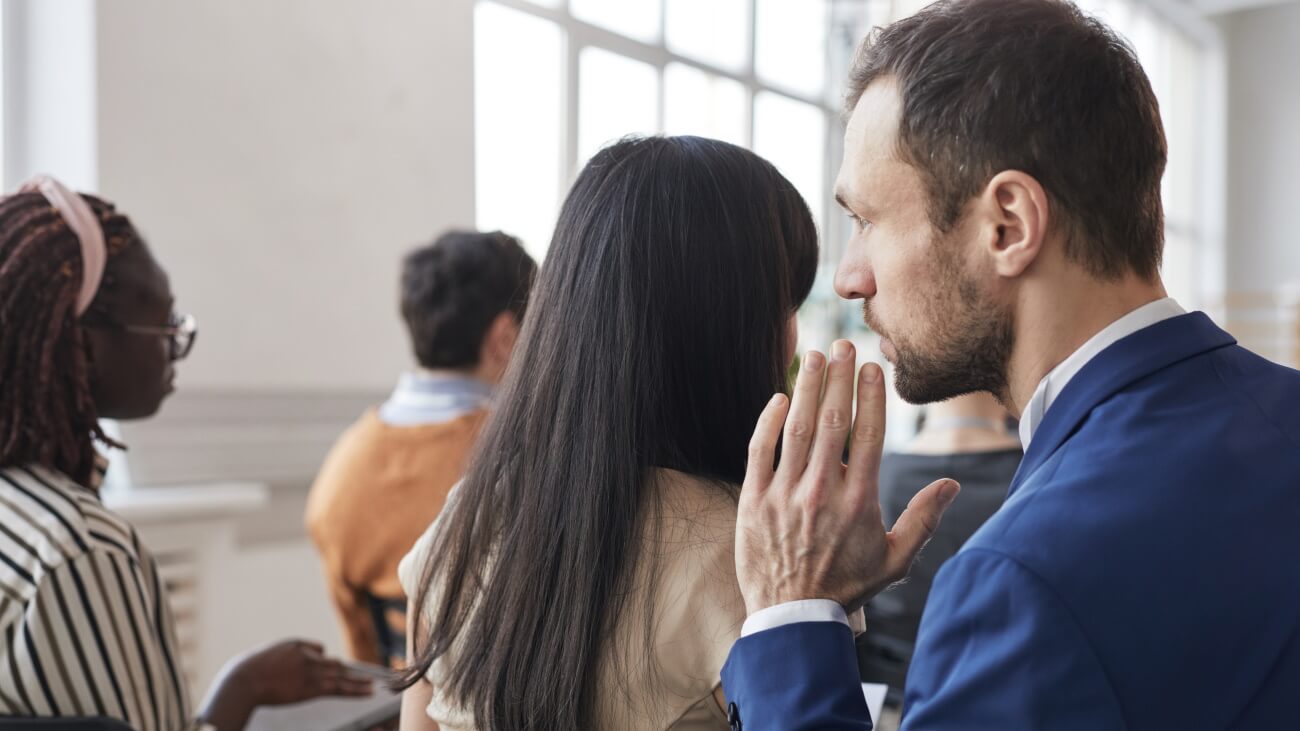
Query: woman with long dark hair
{"points": [[582, 576]]}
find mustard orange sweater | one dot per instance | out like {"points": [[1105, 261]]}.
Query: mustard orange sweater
{"points": [[379, 489]]}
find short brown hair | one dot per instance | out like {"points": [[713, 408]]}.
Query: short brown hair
{"points": [[1035, 86]]}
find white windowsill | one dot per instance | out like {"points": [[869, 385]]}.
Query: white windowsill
{"points": [[212, 501]]}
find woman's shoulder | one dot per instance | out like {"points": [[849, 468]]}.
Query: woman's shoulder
{"points": [[56, 515], [696, 600], [411, 567], [694, 528], [695, 509]]}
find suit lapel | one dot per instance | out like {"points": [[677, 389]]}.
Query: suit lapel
{"points": [[1130, 359]]}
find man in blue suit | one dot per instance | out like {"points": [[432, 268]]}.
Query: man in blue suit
{"points": [[1002, 165]]}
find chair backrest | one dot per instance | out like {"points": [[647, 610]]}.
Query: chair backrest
{"points": [[389, 617], [69, 724]]}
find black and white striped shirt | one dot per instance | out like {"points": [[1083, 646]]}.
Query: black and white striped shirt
{"points": [[85, 627]]}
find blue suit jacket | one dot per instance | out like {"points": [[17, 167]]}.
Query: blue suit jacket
{"points": [[1144, 572]]}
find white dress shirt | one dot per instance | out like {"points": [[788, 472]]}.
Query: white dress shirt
{"points": [[1054, 382], [826, 610]]}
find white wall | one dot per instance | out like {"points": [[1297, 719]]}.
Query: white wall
{"points": [[277, 592], [1263, 231], [280, 157]]}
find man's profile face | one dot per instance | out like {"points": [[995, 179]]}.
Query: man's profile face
{"points": [[926, 293]]}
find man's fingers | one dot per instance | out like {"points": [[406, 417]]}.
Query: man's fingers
{"points": [[801, 422], [917, 523], [762, 446], [868, 430], [836, 413]]}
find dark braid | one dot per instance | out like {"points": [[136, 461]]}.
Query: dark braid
{"points": [[47, 413]]}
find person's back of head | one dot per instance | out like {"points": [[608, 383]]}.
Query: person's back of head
{"points": [[658, 331], [463, 298]]}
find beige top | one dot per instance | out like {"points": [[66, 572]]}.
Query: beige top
{"points": [[698, 613]]}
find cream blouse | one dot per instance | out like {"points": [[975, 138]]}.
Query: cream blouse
{"points": [[697, 610]]}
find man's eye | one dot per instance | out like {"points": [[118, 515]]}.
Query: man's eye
{"points": [[859, 223]]}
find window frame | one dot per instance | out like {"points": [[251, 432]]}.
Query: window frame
{"points": [[578, 34]]}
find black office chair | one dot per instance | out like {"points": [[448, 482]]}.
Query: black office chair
{"points": [[62, 724], [389, 618]]}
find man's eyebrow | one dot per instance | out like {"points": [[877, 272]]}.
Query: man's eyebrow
{"points": [[860, 209]]}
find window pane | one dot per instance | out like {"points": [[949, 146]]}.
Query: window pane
{"points": [[790, 44], [517, 166], [1149, 37], [637, 19], [713, 31], [1184, 127], [698, 103], [1114, 13], [4, 184], [617, 96], [1178, 268], [899, 9], [792, 135]]}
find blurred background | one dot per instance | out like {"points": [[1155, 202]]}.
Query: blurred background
{"points": [[281, 156]]}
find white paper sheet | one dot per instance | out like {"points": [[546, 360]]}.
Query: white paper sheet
{"points": [[875, 694], [333, 714]]}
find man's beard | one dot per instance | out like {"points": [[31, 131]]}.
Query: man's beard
{"points": [[970, 347]]}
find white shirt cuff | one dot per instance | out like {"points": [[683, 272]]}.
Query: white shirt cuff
{"points": [[804, 610]]}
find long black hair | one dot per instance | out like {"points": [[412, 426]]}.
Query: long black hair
{"points": [[655, 336]]}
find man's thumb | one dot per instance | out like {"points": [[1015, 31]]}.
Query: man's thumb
{"points": [[919, 521]]}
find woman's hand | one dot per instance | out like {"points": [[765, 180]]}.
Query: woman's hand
{"points": [[291, 671], [297, 670]]}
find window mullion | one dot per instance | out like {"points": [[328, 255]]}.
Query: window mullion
{"points": [[751, 70], [572, 98]]}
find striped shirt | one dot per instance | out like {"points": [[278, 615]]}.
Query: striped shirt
{"points": [[85, 627]]}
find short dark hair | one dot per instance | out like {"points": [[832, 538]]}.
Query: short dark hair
{"points": [[1035, 86], [454, 288]]}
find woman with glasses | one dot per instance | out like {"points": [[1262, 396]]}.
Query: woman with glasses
{"points": [[88, 331]]}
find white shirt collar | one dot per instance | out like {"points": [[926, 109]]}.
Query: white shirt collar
{"points": [[1055, 381]]}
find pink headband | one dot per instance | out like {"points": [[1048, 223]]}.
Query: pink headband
{"points": [[76, 212]]}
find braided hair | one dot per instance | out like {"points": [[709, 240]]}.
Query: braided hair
{"points": [[47, 411]]}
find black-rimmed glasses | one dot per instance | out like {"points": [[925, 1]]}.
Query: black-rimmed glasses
{"points": [[180, 331]]}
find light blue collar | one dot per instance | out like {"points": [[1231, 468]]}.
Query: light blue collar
{"points": [[422, 397]]}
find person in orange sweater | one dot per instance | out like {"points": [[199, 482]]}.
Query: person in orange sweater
{"points": [[387, 477]]}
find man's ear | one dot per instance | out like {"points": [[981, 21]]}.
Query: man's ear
{"points": [[1012, 219], [499, 341]]}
